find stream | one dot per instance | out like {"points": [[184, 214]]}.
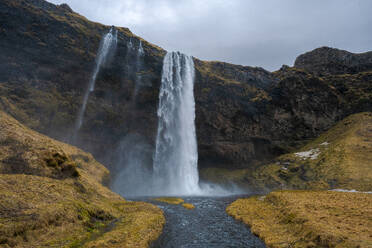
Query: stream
{"points": [[208, 225]]}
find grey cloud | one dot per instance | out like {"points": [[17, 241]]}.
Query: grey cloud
{"points": [[250, 32]]}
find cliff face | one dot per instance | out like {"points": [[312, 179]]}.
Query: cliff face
{"points": [[325, 60], [244, 115], [48, 54]]}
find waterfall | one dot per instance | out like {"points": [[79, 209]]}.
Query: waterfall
{"points": [[172, 168], [106, 48], [139, 62], [130, 44], [176, 157], [141, 52]]}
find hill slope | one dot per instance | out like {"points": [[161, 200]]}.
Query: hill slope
{"points": [[338, 158], [51, 196], [308, 218]]}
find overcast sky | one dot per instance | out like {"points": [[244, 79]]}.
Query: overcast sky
{"points": [[265, 33]]}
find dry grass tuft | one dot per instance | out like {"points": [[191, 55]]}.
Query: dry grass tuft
{"points": [[188, 206], [175, 201], [308, 218], [170, 200]]}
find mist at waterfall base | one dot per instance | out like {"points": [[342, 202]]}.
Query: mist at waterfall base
{"points": [[172, 169], [105, 54]]}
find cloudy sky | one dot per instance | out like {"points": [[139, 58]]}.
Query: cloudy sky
{"points": [[265, 33]]}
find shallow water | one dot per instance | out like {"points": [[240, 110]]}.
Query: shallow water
{"points": [[208, 225]]}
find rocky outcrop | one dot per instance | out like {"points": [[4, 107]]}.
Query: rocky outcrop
{"points": [[244, 115], [326, 60]]}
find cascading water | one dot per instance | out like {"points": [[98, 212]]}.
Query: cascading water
{"points": [[141, 51], [107, 47], [139, 61], [176, 157], [174, 164]]}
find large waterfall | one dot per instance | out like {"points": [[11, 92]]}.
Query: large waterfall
{"points": [[172, 168], [107, 47], [176, 156]]}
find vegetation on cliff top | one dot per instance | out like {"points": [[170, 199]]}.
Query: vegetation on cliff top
{"points": [[51, 195], [308, 218]]}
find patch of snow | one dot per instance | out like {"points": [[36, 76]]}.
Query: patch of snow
{"points": [[324, 144], [311, 154], [351, 191], [284, 168]]}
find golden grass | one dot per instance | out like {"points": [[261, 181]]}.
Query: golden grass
{"points": [[175, 201], [188, 206], [139, 226], [170, 200], [308, 218], [344, 161], [42, 204]]}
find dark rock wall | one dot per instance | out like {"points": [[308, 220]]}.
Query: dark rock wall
{"points": [[47, 56], [244, 115], [326, 60]]}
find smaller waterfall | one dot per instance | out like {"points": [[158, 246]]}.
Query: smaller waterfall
{"points": [[141, 51], [139, 63], [108, 44], [176, 156], [134, 63], [107, 47], [130, 44]]}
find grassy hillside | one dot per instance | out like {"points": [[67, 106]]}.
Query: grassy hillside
{"points": [[339, 158], [308, 218], [51, 195]]}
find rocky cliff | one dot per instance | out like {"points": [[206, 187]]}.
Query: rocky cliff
{"points": [[325, 60], [244, 115]]}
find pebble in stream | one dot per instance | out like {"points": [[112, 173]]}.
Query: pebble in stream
{"points": [[208, 225]]}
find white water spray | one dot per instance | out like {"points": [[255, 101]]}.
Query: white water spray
{"points": [[176, 156], [174, 169], [107, 47]]}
